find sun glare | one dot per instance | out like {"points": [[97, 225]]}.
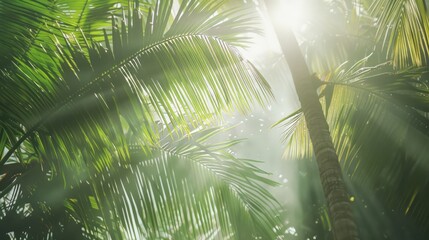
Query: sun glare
{"points": [[290, 13]]}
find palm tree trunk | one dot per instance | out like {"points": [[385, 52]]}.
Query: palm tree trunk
{"points": [[339, 207]]}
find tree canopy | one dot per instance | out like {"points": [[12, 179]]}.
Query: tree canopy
{"points": [[111, 114]]}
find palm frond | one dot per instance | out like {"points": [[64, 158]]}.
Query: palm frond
{"points": [[403, 29], [189, 187], [85, 125], [295, 135], [378, 120], [23, 19], [30, 24], [191, 75], [385, 122]]}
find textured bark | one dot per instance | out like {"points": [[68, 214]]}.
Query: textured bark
{"points": [[339, 206]]}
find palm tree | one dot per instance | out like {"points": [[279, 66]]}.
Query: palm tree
{"points": [[102, 129], [337, 198], [376, 109]]}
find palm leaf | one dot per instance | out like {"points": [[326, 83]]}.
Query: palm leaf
{"points": [[378, 123], [183, 189], [387, 122], [23, 19], [32, 23], [190, 187], [403, 29], [93, 85], [90, 115]]}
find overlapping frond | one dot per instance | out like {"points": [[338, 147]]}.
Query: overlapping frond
{"points": [[131, 82], [186, 188], [84, 123], [380, 127], [378, 120], [377, 112], [21, 21], [403, 30], [29, 25], [295, 135]]}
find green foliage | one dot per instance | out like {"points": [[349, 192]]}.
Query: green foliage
{"points": [[375, 94], [185, 188], [100, 122], [403, 29]]}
